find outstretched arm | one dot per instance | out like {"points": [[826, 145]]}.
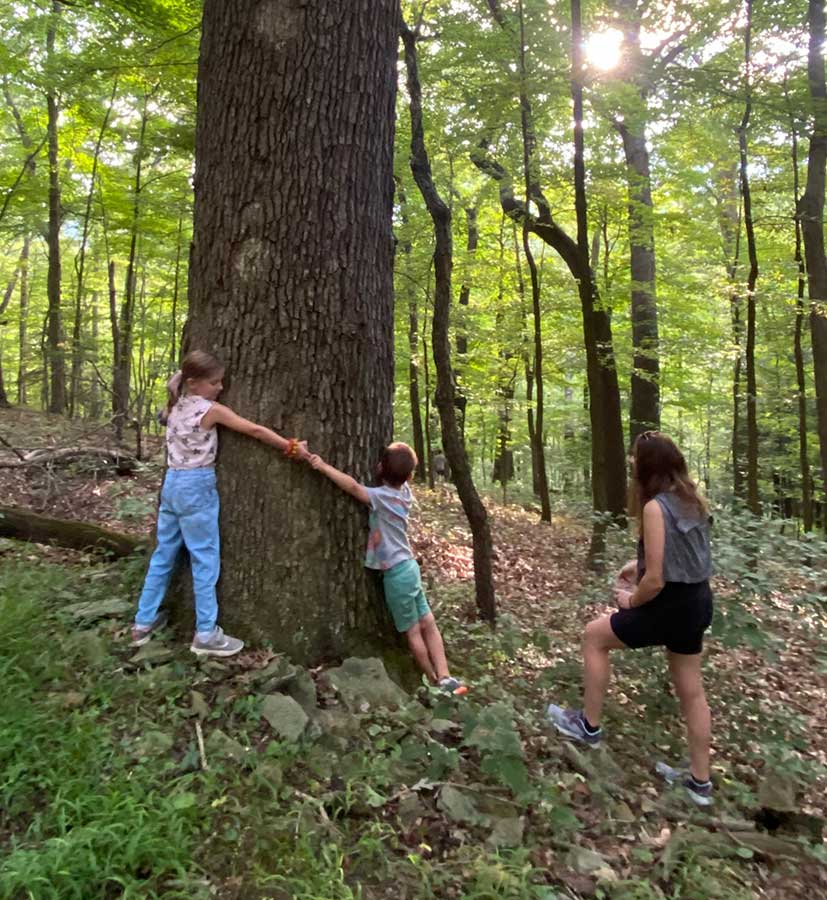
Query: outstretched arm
{"points": [[223, 415], [340, 479]]}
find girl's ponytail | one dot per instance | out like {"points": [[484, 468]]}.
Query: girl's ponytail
{"points": [[173, 394]]}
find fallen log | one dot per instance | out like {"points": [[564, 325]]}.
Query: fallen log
{"points": [[123, 463], [24, 525]]}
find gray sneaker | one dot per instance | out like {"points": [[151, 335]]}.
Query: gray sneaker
{"points": [[699, 792], [217, 644], [571, 723], [142, 633]]}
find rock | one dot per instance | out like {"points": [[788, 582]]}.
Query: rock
{"points": [[89, 645], [199, 705], [154, 743], [621, 812], [337, 722], [411, 808], [277, 673], [303, 690], [364, 684], [507, 832], [153, 652], [220, 744], [271, 773], [586, 862], [285, 716], [778, 792], [99, 609], [442, 726]]}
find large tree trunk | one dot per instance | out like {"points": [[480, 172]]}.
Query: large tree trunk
{"points": [[291, 284], [445, 391], [753, 498], [56, 338], [811, 214]]}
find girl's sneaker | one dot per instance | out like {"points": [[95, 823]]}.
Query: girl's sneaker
{"points": [[142, 633], [217, 644], [699, 792], [451, 685], [571, 723]]}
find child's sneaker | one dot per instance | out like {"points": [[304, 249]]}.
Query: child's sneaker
{"points": [[217, 644], [699, 792], [571, 723], [451, 685], [142, 633]]}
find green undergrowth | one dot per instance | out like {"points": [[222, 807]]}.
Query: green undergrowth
{"points": [[104, 794]]}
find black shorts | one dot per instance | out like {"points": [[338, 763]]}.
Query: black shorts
{"points": [[676, 619]]}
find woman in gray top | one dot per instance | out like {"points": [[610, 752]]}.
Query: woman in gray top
{"points": [[668, 603]]}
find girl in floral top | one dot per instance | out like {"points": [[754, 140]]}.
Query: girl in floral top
{"points": [[188, 515]]}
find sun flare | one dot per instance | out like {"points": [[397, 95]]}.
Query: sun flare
{"points": [[603, 48]]}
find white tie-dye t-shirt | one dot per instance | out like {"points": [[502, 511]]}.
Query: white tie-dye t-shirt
{"points": [[188, 445]]}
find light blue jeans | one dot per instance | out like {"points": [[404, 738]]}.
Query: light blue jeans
{"points": [[188, 516]]}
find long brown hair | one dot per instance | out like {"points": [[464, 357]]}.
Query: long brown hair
{"points": [[196, 364], [660, 466]]}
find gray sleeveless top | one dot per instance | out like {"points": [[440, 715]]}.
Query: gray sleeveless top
{"points": [[686, 555]]}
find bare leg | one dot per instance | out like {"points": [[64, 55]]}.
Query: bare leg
{"points": [[416, 642], [436, 649], [689, 686], [598, 640]]}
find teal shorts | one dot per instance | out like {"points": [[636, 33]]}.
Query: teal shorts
{"points": [[404, 594]]}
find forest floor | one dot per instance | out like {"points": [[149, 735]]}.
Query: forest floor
{"points": [[105, 791]]}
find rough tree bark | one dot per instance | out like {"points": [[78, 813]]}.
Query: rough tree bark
{"points": [[811, 215], [291, 285], [445, 390]]}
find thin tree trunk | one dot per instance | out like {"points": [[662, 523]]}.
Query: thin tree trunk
{"points": [[608, 456], [95, 405], [800, 373], [56, 337], [811, 216], [176, 282], [429, 447], [23, 323], [123, 372], [410, 292], [4, 303], [753, 498], [644, 401], [533, 192], [608, 477], [445, 393], [461, 328], [80, 262], [528, 368]]}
